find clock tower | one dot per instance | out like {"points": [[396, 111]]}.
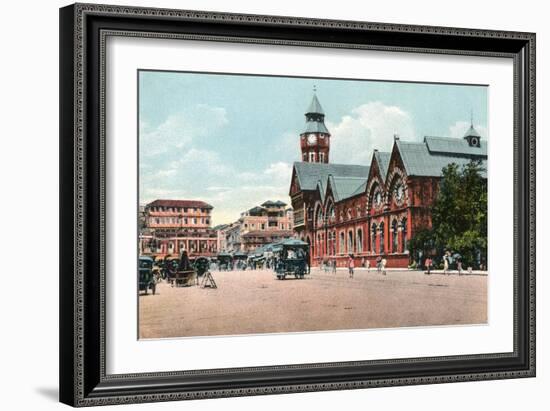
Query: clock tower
{"points": [[315, 139]]}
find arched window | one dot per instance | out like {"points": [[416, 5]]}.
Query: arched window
{"points": [[373, 238], [342, 242], [319, 217], [360, 241], [318, 244], [333, 242], [330, 213], [404, 234], [394, 236], [381, 229], [350, 242]]}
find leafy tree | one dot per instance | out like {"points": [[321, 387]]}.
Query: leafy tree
{"points": [[459, 215], [422, 242]]}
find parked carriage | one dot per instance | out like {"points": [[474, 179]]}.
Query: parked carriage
{"points": [[240, 260], [146, 279], [198, 267], [291, 259], [225, 262]]}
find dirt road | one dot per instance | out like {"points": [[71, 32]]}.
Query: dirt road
{"points": [[255, 302]]}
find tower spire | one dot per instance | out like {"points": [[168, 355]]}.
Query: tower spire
{"points": [[315, 138]]}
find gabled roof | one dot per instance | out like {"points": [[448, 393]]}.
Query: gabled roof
{"points": [[455, 146], [322, 188], [383, 160], [345, 187], [309, 174], [420, 161]]}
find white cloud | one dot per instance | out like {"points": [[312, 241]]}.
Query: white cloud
{"points": [[369, 126], [458, 129], [180, 129], [203, 174]]}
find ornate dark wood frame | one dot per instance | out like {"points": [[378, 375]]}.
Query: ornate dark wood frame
{"points": [[83, 30]]}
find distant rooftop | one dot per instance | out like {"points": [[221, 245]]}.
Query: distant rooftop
{"points": [[180, 204], [270, 203]]}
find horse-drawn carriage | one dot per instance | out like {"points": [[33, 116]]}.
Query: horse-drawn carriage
{"points": [[291, 258], [197, 269], [225, 262], [240, 260]]}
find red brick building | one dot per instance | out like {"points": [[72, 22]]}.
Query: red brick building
{"points": [[370, 210], [172, 226]]}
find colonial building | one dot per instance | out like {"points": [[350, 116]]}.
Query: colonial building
{"points": [[221, 231], [260, 225], [172, 226], [370, 210]]}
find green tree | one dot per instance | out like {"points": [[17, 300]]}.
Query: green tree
{"points": [[459, 215], [422, 242]]}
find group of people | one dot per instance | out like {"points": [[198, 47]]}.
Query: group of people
{"points": [[331, 265], [447, 259], [365, 263]]}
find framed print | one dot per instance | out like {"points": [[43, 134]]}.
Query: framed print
{"points": [[262, 204]]}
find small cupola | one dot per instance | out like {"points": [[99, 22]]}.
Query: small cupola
{"points": [[472, 136]]}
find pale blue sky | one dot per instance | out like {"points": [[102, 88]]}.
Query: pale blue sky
{"points": [[231, 139]]}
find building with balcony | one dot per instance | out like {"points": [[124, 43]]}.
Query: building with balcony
{"points": [[172, 226], [269, 222]]}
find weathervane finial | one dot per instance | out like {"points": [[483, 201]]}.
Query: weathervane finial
{"points": [[471, 117], [314, 88]]}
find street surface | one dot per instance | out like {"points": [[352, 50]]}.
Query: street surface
{"points": [[252, 302]]}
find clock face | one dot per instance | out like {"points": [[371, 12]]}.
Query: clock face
{"points": [[311, 139], [399, 193]]}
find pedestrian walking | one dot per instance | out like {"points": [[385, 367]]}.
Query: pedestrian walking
{"points": [[459, 266], [383, 263], [334, 266], [446, 265], [363, 262], [351, 265], [367, 265], [428, 264], [378, 263]]}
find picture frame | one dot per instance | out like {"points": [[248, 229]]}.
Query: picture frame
{"points": [[83, 220]]}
